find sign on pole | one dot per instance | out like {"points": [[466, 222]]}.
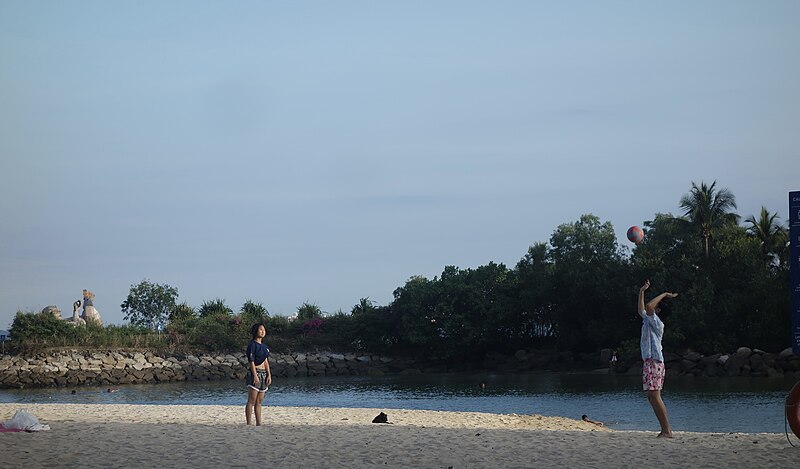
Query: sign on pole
{"points": [[794, 262]]}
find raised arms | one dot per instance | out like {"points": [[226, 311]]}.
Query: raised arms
{"points": [[651, 306]]}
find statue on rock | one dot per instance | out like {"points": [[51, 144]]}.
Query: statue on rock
{"points": [[89, 312]]}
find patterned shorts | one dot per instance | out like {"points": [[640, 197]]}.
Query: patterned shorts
{"points": [[262, 380], [652, 375]]}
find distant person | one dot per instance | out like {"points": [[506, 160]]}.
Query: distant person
{"points": [[585, 418], [653, 370], [613, 361], [259, 376], [112, 390]]}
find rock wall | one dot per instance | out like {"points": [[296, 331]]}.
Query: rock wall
{"points": [[744, 362], [75, 368]]}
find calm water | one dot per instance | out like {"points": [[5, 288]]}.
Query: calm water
{"points": [[706, 405]]}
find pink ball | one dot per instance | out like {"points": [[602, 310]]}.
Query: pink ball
{"points": [[635, 234]]}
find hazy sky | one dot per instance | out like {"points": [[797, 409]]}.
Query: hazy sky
{"points": [[292, 151]]}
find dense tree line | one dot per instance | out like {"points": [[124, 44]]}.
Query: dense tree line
{"points": [[576, 292]]}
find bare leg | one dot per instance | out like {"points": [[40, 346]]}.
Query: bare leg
{"points": [[252, 396], [258, 408], [661, 413]]}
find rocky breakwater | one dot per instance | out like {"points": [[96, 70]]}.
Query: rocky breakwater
{"points": [[75, 368], [744, 362]]}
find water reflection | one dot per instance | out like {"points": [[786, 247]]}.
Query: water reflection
{"points": [[710, 405]]}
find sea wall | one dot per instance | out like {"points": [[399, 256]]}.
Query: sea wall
{"points": [[743, 362], [75, 368], [95, 367]]}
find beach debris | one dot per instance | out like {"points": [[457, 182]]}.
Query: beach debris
{"points": [[24, 420], [381, 418]]}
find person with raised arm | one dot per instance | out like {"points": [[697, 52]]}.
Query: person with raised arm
{"points": [[653, 370]]}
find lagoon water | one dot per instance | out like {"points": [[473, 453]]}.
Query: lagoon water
{"points": [[694, 404]]}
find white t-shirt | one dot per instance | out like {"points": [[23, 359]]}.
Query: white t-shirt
{"points": [[652, 333]]}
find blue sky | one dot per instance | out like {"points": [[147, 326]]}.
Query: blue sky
{"points": [[300, 151]]}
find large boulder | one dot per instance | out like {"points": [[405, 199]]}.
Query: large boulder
{"points": [[735, 364], [692, 356]]}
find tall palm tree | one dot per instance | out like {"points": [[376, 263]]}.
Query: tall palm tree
{"points": [[708, 209], [769, 231]]}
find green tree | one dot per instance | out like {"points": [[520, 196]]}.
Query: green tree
{"points": [[149, 304], [473, 309], [771, 234], [375, 329], [534, 303], [589, 285], [415, 304], [670, 258], [308, 311], [708, 209], [740, 277], [182, 320], [182, 313], [463, 313], [364, 306]]}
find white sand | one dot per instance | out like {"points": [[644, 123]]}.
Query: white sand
{"points": [[215, 436]]}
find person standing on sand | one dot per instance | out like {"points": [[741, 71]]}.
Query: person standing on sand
{"points": [[653, 370], [259, 376]]}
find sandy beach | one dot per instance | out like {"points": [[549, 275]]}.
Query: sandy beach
{"points": [[215, 436]]}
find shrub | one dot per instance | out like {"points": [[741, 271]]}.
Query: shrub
{"points": [[33, 332], [38, 329], [219, 331]]}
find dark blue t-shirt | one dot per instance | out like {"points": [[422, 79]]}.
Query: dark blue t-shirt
{"points": [[257, 353]]}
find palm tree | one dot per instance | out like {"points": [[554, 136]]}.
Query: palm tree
{"points": [[708, 209], [365, 305], [772, 234], [308, 311], [215, 306]]}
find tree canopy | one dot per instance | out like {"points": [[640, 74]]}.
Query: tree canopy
{"points": [[576, 292], [149, 304]]}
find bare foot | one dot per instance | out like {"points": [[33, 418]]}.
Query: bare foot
{"points": [[664, 435]]}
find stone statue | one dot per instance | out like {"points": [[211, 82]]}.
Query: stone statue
{"points": [[76, 320], [89, 312], [52, 311]]}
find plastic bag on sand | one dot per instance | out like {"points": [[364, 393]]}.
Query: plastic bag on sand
{"points": [[24, 420]]}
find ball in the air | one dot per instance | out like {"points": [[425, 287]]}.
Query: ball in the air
{"points": [[635, 234]]}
